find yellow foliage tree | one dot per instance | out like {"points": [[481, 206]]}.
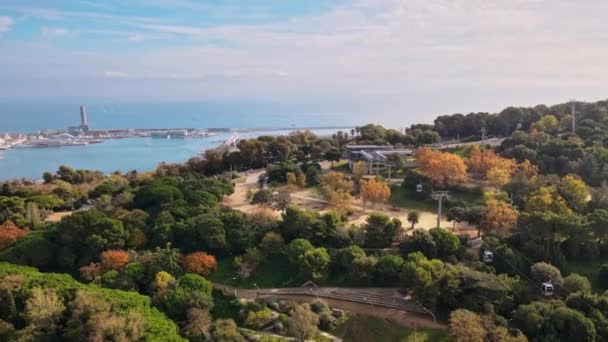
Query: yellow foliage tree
{"points": [[359, 168], [547, 198], [480, 162], [336, 188], [498, 217], [443, 169], [375, 191], [291, 178], [498, 176]]}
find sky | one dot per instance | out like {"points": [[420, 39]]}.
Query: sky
{"points": [[415, 58]]}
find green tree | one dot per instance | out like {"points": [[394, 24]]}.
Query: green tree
{"points": [[225, 330], [413, 217], [272, 244], [85, 234], [456, 215], [333, 155], [379, 230], [343, 258], [543, 272], [389, 268], [314, 264], [296, 250], [576, 283]]}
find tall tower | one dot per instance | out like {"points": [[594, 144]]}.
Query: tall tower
{"points": [[83, 116]]}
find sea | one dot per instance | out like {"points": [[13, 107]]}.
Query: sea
{"points": [[144, 154]]}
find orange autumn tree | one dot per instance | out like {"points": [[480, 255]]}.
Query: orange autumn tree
{"points": [[375, 191], [442, 168], [498, 217], [9, 233], [200, 263], [480, 162], [114, 259]]}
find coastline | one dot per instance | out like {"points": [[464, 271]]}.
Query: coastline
{"points": [[125, 154]]}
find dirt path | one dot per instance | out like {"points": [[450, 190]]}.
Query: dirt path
{"points": [[309, 199], [56, 217]]}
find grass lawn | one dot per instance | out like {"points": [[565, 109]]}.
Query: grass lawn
{"points": [[368, 328], [407, 199], [275, 272]]}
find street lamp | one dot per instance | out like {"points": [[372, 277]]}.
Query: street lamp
{"points": [[259, 290]]}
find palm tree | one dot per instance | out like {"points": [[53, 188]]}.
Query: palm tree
{"points": [[413, 217]]}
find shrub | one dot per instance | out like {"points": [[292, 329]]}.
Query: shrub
{"points": [[200, 263]]}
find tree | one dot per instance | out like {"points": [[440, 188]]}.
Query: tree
{"points": [[375, 191], [547, 198], [542, 272], [272, 244], [296, 250], [197, 325], [603, 276], [442, 168], [262, 197], [575, 192], [10, 233], [44, 309], [333, 155], [413, 217], [498, 217], [447, 243], [379, 230], [200, 263], [258, 319], [336, 189], [305, 321], [456, 215], [85, 234], [576, 283], [481, 162], [343, 258], [598, 220], [389, 268], [466, 326], [314, 264], [225, 330], [114, 259], [282, 200], [190, 291], [498, 176]]}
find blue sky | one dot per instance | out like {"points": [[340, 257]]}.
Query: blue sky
{"points": [[398, 57]]}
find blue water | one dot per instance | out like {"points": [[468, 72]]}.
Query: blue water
{"points": [[142, 154], [31, 117]]}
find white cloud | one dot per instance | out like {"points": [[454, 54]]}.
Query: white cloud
{"points": [[135, 38], [369, 50], [5, 23], [115, 74], [55, 32]]}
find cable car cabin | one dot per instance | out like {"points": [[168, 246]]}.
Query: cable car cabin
{"points": [[547, 289], [488, 257], [419, 188]]}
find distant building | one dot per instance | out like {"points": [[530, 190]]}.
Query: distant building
{"points": [[177, 133], [375, 157], [83, 116], [84, 124]]}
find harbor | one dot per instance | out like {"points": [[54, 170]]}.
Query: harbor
{"points": [[109, 150]]}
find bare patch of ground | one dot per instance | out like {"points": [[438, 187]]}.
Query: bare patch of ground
{"points": [[56, 217]]}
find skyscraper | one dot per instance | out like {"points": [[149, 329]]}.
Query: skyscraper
{"points": [[83, 116]]}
